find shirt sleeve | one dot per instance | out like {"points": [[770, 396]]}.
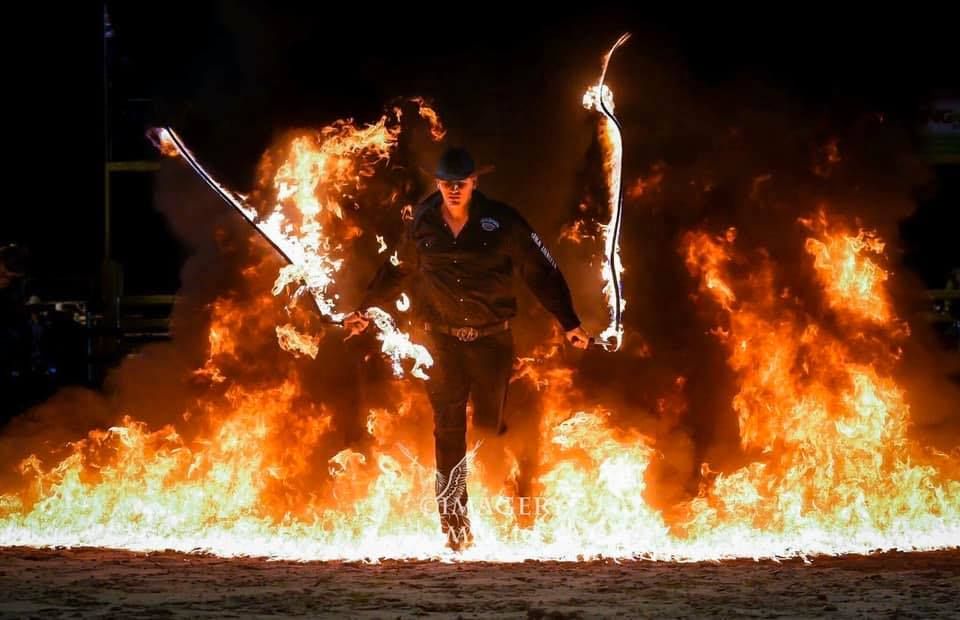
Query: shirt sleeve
{"points": [[539, 270]]}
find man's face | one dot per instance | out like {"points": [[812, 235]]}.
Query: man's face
{"points": [[457, 193]]}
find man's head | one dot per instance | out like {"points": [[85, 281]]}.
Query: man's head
{"points": [[456, 176]]}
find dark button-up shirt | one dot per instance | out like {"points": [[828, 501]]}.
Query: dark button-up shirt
{"points": [[467, 280]]}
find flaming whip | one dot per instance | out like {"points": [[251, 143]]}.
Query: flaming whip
{"points": [[316, 272], [167, 137], [600, 98]]}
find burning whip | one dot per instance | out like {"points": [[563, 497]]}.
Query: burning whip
{"points": [[600, 98], [314, 269], [170, 143]]}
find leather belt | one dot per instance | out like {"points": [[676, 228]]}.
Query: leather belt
{"points": [[467, 333]]}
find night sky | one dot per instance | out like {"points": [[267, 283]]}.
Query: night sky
{"points": [[232, 75]]}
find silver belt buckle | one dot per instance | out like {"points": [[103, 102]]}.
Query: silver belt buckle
{"points": [[466, 334]]}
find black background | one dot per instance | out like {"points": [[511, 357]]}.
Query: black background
{"points": [[232, 74]]}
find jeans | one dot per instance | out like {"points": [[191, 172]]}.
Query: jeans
{"points": [[480, 371]]}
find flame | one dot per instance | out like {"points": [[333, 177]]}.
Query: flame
{"points": [[651, 183], [162, 139], [839, 473], [600, 98], [308, 184], [258, 468], [708, 256], [315, 174], [834, 470], [852, 281], [228, 318], [426, 111], [397, 345], [299, 344], [576, 231], [317, 169]]}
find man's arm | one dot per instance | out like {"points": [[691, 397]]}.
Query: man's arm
{"points": [[539, 270]]}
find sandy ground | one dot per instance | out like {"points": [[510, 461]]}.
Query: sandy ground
{"points": [[98, 583]]}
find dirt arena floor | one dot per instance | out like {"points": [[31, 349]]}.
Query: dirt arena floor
{"points": [[98, 583]]}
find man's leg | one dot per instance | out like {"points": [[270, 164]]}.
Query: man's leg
{"points": [[489, 366], [448, 389]]}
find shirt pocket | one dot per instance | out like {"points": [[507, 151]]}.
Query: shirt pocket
{"points": [[494, 242]]}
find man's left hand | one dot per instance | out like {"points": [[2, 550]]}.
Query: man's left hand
{"points": [[578, 338]]}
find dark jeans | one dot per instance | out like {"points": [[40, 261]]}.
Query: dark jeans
{"points": [[478, 370]]}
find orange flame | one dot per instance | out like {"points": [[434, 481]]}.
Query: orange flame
{"points": [[161, 138], [577, 231], [600, 98], [263, 471], [852, 281], [299, 344], [437, 131], [708, 256], [835, 470], [309, 183], [650, 183], [839, 473]]}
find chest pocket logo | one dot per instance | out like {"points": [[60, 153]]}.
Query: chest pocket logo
{"points": [[489, 224]]}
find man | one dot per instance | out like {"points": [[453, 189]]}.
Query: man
{"points": [[463, 249]]}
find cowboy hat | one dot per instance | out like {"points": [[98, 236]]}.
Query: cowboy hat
{"points": [[456, 164]]}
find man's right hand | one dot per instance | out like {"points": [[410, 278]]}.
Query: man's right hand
{"points": [[355, 323], [578, 338]]}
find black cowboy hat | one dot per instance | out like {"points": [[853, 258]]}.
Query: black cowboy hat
{"points": [[456, 164]]}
